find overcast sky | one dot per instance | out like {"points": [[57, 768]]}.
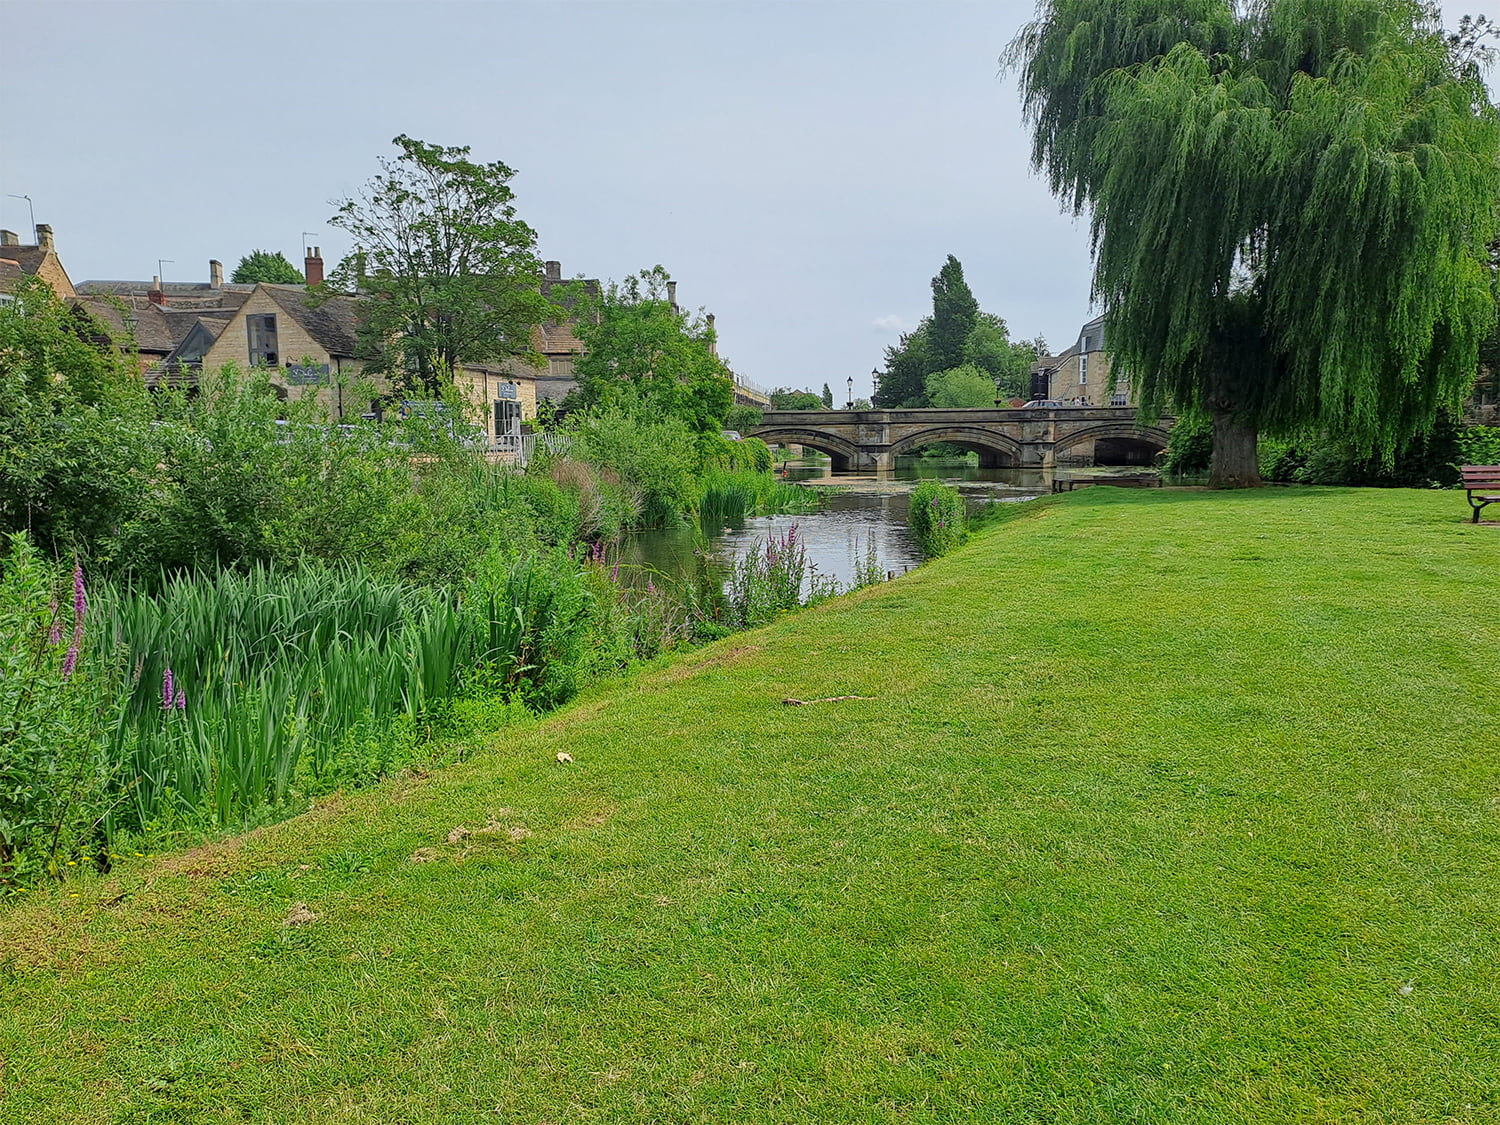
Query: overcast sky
{"points": [[801, 168]]}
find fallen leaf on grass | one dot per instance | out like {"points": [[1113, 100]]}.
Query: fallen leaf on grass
{"points": [[300, 915], [564, 757], [424, 855]]}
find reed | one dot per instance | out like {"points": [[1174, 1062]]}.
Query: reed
{"points": [[238, 681], [730, 496]]}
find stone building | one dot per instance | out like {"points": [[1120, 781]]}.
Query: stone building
{"points": [[38, 260], [1080, 375]]}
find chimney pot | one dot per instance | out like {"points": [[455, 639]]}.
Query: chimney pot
{"points": [[313, 266], [156, 296], [9, 238], [554, 271], [215, 274], [44, 237]]}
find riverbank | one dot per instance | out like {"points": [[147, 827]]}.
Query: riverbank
{"points": [[1156, 806]]}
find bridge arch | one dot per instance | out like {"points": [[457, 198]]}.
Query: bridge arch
{"points": [[995, 449], [1114, 443], [845, 454]]}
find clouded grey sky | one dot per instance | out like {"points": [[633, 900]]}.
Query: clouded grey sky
{"points": [[801, 167]]}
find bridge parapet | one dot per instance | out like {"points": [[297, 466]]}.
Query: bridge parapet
{"points": [[872, 439]]}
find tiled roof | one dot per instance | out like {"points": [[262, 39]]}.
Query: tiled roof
{"points": [[28, 258], [146, 326], [334, 322], [170, 288]]}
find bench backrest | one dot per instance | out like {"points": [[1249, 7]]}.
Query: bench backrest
{"points": [[1480, 476]]}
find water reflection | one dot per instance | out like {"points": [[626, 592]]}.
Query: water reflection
{"points": [[862, 511]]}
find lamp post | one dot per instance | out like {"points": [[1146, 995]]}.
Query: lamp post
{"points": [[850, 405]]}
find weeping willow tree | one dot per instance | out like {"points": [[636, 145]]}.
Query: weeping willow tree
{"points": [[1289, 201]]}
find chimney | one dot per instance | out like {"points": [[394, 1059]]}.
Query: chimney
{"points": [[44, 237], [554, 271], [313, 266], [156, 296], [713, 339], [9, 238], [215, 274], [672, 293]]}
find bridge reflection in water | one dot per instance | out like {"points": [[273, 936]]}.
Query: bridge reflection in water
{"points": [[871, 440]]}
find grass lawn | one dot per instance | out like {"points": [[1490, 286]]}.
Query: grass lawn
{"points": [[1167, 807]]}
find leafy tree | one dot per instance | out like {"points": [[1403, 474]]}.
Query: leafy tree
{"points": [[268, 266], [783, 398], [955, 312], [75, 457], [965, 387], [1290, 203], [907, 365], [635, 339], [827, 398], [448, 272], [957, 334]]}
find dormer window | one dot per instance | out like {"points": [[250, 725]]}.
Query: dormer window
{"points": [[260, 328]]}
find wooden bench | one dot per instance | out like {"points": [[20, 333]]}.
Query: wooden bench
{"points": [[1484, 480], [1122, 480]]}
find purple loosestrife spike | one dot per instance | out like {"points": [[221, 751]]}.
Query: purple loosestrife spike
{"points": [[650, 586], [181, 700], [614, 574], [70, 661], [54, 634], [166, 689], [80, 597]]}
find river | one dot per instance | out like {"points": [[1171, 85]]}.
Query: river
{"points": [[861, 509]]}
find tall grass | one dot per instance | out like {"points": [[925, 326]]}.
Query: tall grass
{"points": [[237, 681], [730, 496]]}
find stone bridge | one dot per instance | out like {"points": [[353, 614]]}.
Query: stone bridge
{"points": [[866, 440]]}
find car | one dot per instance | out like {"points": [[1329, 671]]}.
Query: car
{"points": [[1042, 404]]}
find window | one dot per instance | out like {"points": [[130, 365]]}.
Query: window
{"points": [[261, 330], [1117, 399], [1083, 369]]}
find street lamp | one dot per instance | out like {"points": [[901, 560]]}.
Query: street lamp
{"points": [[851, 393]]}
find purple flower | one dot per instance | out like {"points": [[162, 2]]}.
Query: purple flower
{"points": [[54, 634], [70, 661], [167, 696], [80, 598], [614, 573], [650, 586], [181, 699]]}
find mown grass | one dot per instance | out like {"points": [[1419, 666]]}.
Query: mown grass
{"points": [[1165, 807]]}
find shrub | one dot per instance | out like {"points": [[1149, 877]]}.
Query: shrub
{"points": [[936, 518], [55, 685]]}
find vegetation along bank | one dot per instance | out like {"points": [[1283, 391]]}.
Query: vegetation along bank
{"points": [[1143, 805]]}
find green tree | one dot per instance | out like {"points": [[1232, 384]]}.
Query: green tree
{"points": [[635, 338], [955, 312], [784, 398], [75, 448], [827, 398], [448, 272], [907, 365], [266, 265], [1290, 203], [965, 387]]}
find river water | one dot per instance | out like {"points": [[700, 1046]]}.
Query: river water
{"points": [[860, 510]]}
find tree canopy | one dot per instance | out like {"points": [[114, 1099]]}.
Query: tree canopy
{"points": [[1289, 201], [448, 272], [957, 334], [788, 398], [640, 345], [266, 265]]}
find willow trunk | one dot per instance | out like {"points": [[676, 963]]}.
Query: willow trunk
{"points": [[1235, 462]]}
